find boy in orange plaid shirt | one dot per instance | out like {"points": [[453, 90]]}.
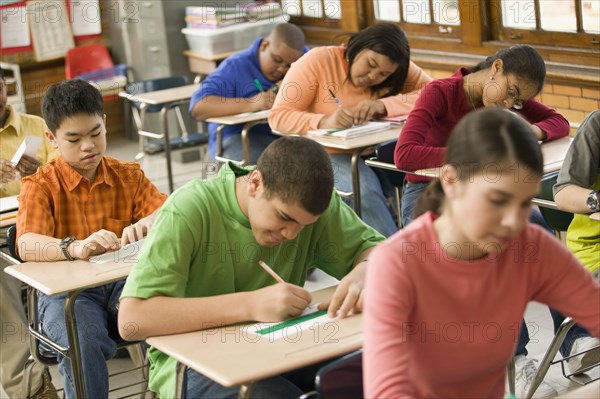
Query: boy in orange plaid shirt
{"points": [[76, 206]]}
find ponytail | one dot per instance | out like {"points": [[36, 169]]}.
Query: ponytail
{"points": [[432, 199]]}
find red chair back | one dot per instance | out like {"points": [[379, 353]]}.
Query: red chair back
{"points": [[86, 58]]}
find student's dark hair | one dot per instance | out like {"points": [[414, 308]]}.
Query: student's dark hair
{"points": [[481, 139], [298, 171], [522, 61], [386, 39], [289, 34], [70, 97]]}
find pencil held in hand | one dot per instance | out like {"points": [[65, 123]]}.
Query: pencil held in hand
{"points": [[335, 98], [270, 271]]}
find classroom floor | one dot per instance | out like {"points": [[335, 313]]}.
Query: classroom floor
{"points": [[537, 315]]}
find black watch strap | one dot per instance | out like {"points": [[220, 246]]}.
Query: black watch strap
{"points": [[64, 246]]}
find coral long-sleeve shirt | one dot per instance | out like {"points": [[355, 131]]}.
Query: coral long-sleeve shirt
{"points": [[442, 328], [442, 104], [304, 97]]}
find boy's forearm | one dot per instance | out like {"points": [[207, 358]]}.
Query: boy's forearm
{"points": [[214, 106], [33, 247], [573, 198], [143, 318]]}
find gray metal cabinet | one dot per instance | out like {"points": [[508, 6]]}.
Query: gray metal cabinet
{"points": [[146, 35]]}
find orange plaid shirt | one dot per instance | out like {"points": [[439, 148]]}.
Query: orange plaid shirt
{"points": [[58, 202]]}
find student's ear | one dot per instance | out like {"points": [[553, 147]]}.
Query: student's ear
{"points": [[497, 67], [263, 45], [449, 179], [255, 183], [51, 138]]}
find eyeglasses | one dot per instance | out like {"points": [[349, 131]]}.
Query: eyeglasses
{"points": [[513, 94]]}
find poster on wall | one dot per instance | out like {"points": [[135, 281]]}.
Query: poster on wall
{"points": [[50, 29], [14, 28], [85, 17]]}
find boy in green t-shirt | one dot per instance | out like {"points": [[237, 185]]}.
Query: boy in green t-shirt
{"points": [[199, 266]]}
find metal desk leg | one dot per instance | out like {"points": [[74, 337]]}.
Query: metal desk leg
{"points": [[74, 351], [218, 155], [356, 180], [165, 123], [181, 381], [246, 390], [139, 122], [246, 140]]}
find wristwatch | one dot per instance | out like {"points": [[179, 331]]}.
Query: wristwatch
{"points": [[593, 201], [64, 245]]}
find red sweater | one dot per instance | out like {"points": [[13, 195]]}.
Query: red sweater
{"points": [[422, 143], [442, 328]]}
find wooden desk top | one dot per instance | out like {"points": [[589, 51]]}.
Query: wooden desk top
{"points": [[54, 278], [9, 204], [232, 357], [240, 118], [360, 142], [210, 57], [554, 153], [162, 96]]}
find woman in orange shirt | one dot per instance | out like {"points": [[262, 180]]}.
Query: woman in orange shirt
{"points": [[370, 77]]}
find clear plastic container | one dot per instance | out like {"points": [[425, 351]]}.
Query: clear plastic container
{"points": [[231, 38]]}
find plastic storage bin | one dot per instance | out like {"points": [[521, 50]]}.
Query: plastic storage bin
{"points": [[231, 38]]}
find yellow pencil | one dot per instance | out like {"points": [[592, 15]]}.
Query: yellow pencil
{"points": [[270, 271]]}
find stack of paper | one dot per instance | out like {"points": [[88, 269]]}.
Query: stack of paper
{"points": [[351, 132]]}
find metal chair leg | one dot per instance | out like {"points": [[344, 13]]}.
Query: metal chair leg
{"points": [[546, 362]]}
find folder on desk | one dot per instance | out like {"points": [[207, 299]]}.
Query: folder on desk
{"points": [[351, 132]]}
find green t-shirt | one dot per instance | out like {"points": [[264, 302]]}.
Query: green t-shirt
{"points": [[201, 244]]}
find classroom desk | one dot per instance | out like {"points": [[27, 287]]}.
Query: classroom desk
{"points": [[53, 278], [595, 216], [166, 98], [249, 119], [202, 65], [359, 146], [554, 153], [231, 357], [9, 207]]}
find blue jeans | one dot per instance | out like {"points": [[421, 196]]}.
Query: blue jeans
{"points": [[232, 146], [374, 191], [96, 318], [288, 385], [410, 195]]}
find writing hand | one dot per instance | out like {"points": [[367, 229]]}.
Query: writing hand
{"points": [[342, 118], [278, 302]]}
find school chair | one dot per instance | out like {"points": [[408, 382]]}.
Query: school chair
{"points": [[557, 219], [139, 110], [340, 379], [44, 350], [384, 162], [93, 63]]}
